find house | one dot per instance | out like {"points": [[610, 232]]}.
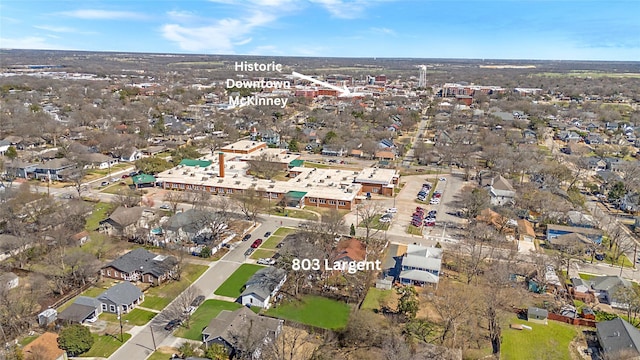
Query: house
{"points": [[570, 241], [131, 155], [120, 298], [80, 238], [529, 136], [98, 161], [84, 309], [525, 231], [9, 281], [606, 288], [554, 231], [53, 169], [141, 265], [242, 327], [271, 137], [420, 266], [262, 287], [630, 202], [385, 155], [350, 250], [537, 315], [4, 146], [45, 347], [618, 339], [501, 191], [594, 139], [122, 222], [186, 226], [332, 150], [614, 164], [386, 144], [581, 290]]}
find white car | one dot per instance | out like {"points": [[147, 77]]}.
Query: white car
{"points": [[392, 210], [434, 202], [266, 261], [442, 179], [165, 207]]}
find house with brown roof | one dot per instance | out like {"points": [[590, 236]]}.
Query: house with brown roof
{"points": [[125, 221], [525, 231], [45, 347], [350, 250]]}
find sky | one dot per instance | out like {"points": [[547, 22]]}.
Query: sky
{"points": [[471, 29]]}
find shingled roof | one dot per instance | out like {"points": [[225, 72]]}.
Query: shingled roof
{"points": [[143, 261]]}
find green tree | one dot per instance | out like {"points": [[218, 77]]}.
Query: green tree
{"points": [[617, 191], [205, 252], [408, 304], [11, 153], [329, 137], [75, 339], [159, 126], [152, 165], [187, 152], [187, 349], [293, 145], [352, 231], [216, 352]]}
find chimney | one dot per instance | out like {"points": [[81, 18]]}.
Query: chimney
{"points": [[221, 161]]}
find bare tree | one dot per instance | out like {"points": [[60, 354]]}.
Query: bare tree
{"points": [[174, 198], [181, 308], [250, 203]]}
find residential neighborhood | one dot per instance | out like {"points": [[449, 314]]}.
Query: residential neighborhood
{"points": [[454, 210]]}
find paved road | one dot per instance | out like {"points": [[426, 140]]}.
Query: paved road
{"points": [[140, 346]]}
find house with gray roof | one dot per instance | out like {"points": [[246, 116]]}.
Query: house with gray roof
{"points": [[141, 265], [262, 287], [124, 221], [241, 329], [120, 298], [420, 266], [618, 339], [187, 225], [84, 309], [606, 287], [501, 191]]}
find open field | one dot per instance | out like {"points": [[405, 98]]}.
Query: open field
{"points": [[553, 339], [201, 318], [313, 310], [232, 287]]}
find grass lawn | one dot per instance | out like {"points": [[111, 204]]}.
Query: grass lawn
{"points": [[413, 230], [100, 212], [137, 317], [376, 224], [314, 310], [375, 297], [172, 289], [262, 253], [201, 318], [587, 277], [232, 287], [159, 355], [284, 231], [271, 242], [155, 302], [117, 187], [105, 345], [28, 339], [298, 214], [553, 339]]}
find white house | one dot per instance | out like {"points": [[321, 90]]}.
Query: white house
{"points": [[262, 286], [132, 155], [501, 191]]}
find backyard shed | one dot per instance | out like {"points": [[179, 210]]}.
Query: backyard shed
{"points": [[537, 315]]}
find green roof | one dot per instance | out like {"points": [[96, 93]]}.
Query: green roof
{"points": [[296, 162], [296, 195], [143, 179], [192, 162]]}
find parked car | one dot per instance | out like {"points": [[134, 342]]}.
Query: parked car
{"points": [[173, 324], [266, 261], [246, 237], [392, 210], [125, 176], [442, 179], [256, 243], [104, 183], [267, 234], [430, 223], [249, 251], [165, 207], [197, 301]]}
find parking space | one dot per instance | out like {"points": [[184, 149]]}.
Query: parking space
{"points": [[447, 224]]}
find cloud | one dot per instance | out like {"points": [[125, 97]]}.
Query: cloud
{"points": [[382, 31], [29, 42], [345, 9], [95, 14], [58, 29]]}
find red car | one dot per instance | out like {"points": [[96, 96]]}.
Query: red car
{"points": [[125, 176], [256, 243]]}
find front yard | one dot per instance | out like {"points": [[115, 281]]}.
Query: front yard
{"points": [[315, 311], [549, 341], [105, 345], [158, 297], [136, 317], [232, 287], [201, 318]]}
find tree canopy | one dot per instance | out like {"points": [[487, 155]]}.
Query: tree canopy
{"points": [[75, 339]]}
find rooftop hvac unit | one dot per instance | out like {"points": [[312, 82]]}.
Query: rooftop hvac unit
{"points": [[235, 176], [184, 172], [204, 178], [237, 182], [328, 176], [220, 180], [271, 186], [344, 178], [192, 174], [298, 180], [370, 176], [355, 173], [321, 181], [170, 172], [309, 185]]}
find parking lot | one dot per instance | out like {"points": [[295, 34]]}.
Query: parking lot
{"points": [[447, 223]]}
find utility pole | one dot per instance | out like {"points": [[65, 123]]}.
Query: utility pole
{"points": [[153, 337], [120, 319]]}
